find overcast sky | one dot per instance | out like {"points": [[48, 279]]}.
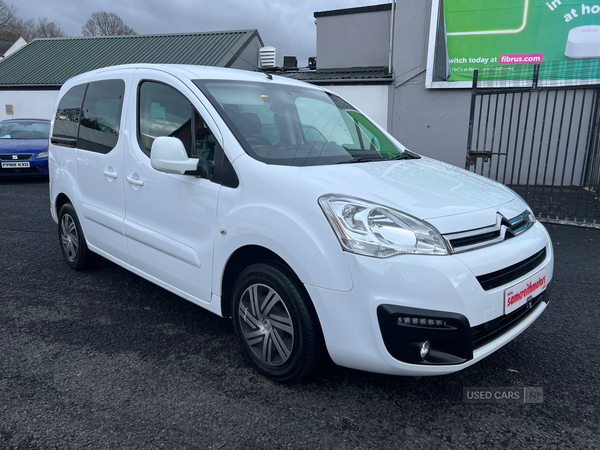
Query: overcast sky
{"points": [[288, 25]]}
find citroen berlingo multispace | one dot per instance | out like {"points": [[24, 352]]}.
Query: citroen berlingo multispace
{"points": [[279, 204]]}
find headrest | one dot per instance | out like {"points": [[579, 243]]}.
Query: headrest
{"points": [[250, 123]]}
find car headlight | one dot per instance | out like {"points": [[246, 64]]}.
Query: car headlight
{"points": [[531, 217], [370, 229], [42, 155]]}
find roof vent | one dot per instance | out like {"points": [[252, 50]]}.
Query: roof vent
{"points": [[312, 62], [290, 63], [270, 58]]}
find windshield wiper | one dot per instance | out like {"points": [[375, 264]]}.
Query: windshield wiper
{"points": [[406, 154], [359, 160]]}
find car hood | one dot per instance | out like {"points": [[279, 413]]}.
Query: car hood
{"points": [[23, 145], [428, 189]]}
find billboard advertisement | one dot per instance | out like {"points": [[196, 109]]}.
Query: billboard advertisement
{"points": [[499, 36]]}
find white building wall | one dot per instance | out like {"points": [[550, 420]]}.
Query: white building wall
{"points": [[28, 104], [370, 99]]}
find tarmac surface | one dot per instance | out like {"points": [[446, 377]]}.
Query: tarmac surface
{"points": [[104, 359]]}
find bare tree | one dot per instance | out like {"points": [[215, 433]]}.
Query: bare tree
{"points": [[8, 15], [32, 29], [45, 28], [20, 28], [12, 27], [104, 23]]}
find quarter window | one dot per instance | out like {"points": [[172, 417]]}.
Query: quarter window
{"points": [[100, 117], [204, 140]]}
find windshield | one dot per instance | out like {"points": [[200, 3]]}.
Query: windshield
{"points": [[24, 130], [297, 126]]}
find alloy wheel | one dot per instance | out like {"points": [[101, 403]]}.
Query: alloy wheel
{"points": [[266, 324], [69, 236]]}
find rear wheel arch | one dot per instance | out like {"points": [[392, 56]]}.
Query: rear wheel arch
{"points": [[72, 240], [61, 199]]}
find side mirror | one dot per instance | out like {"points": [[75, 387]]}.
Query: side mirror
{"points": [[168, 155]]}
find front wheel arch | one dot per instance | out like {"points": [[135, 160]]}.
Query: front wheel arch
{"points": [[276, 323], [238, 261]]}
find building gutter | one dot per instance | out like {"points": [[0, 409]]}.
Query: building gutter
{"points": [[351, 81], [30, 87]]}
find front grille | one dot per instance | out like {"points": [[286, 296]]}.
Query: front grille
{"points": [[504, 276], [502, 230], [474, 239], [20, 157], [487, 332]]}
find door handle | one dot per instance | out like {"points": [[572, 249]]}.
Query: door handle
{"points": [[110, 174], [135, 182]]}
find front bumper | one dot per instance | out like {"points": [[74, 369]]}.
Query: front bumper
{"points": [[451, 343], [37, 167], [361, 326]]}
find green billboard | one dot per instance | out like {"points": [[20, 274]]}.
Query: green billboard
{"points": [[501, 36]]}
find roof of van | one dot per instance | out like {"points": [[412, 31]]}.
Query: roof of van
{"points": [[192, 72], [48, 63]]}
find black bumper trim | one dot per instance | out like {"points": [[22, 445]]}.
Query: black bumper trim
{"points": [[450, 344], [486, 332]]}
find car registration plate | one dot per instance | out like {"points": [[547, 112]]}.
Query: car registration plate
{"points": [[15, 165], [519, 294]]}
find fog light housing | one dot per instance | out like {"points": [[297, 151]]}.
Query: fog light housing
{"points": [[421, 336]]}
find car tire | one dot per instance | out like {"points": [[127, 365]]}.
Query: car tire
{"points": [[72, 241], [276, 323]]}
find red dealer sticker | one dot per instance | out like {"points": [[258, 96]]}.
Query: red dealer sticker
{"points": [[518, 295]]}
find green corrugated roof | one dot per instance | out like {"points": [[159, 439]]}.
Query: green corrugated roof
{"points": [[53, 61], [342, 75]]}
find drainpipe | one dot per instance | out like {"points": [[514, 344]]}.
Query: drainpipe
{"points": [[392, 22]]}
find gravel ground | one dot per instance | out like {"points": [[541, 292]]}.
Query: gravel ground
{"points": [[105, 359]]}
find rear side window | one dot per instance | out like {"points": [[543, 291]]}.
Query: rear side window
{"points": [[67, 114], [100, 116]]}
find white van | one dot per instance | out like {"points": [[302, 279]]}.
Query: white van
{"points": [[280, 205]]}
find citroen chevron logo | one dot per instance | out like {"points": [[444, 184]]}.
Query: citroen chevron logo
{"points": [[500, 231], [505, 228]]}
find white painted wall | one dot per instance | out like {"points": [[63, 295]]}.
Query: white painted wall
{"points": [[370, 99], [28, 104]]}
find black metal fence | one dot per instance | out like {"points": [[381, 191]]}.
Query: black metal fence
{"points": [[543, 142]]}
